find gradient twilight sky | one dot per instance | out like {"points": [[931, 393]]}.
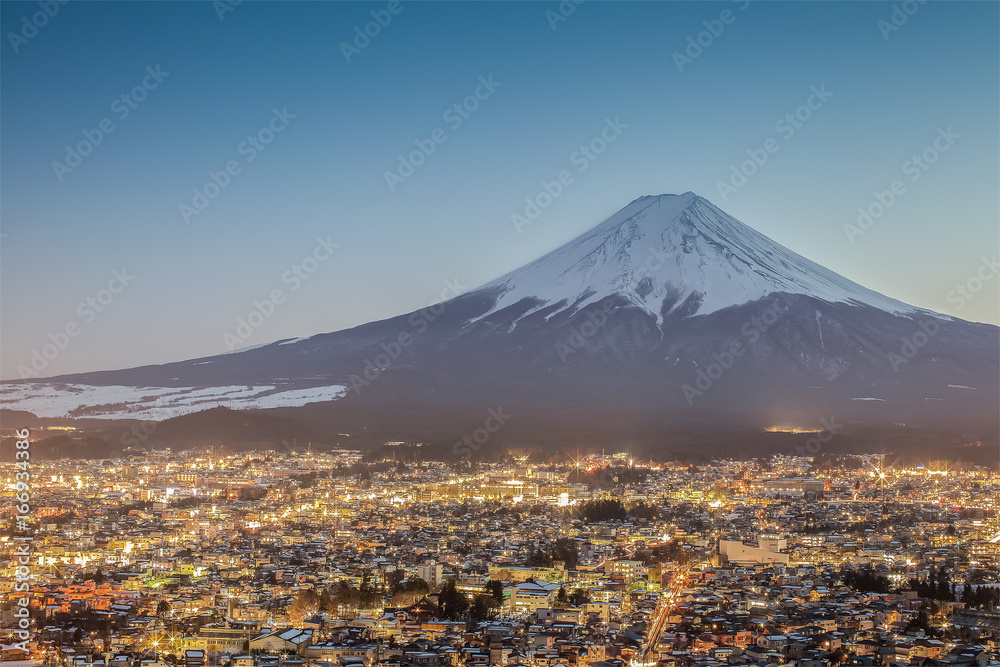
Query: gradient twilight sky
{"points": [[323, 175]]}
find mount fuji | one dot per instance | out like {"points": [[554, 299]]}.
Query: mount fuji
{"points": [[670, 326], [670, 254]]}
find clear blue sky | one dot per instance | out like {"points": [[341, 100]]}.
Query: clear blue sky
{"points": [[324, 173]]}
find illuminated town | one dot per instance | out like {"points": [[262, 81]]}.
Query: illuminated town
{"points": [[351, 559]]}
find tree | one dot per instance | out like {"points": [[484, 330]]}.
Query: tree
{"points": [[866, 581], [602, 510], [306, 603], [537, 558], [163, 608], [415, 585], [981, 597], [483, 607], [944, 587], [838, 657], [326, 602], [579, 597], [923, 622], [368, 595], [452, 602], [565, 550], [494, 589]]}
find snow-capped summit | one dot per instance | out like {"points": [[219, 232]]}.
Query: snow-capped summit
{"points": [[676, 253]]}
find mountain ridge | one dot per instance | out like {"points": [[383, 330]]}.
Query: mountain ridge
{"points": [[612, 326]]}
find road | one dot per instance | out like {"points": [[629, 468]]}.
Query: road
{"points": [[668, 600]]}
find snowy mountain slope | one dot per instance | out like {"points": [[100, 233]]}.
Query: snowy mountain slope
{"points": [[669, 252], [155, 403]]}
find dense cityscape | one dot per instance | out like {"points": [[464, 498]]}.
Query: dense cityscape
{"points": [[349, 559]]}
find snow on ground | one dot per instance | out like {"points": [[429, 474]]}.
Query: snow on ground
{"points": [[156, 403], [961, 386], [291, 341], [295, 397], [868, 399]]}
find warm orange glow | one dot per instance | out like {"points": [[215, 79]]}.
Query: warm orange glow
{"points": [[791, 429]]}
